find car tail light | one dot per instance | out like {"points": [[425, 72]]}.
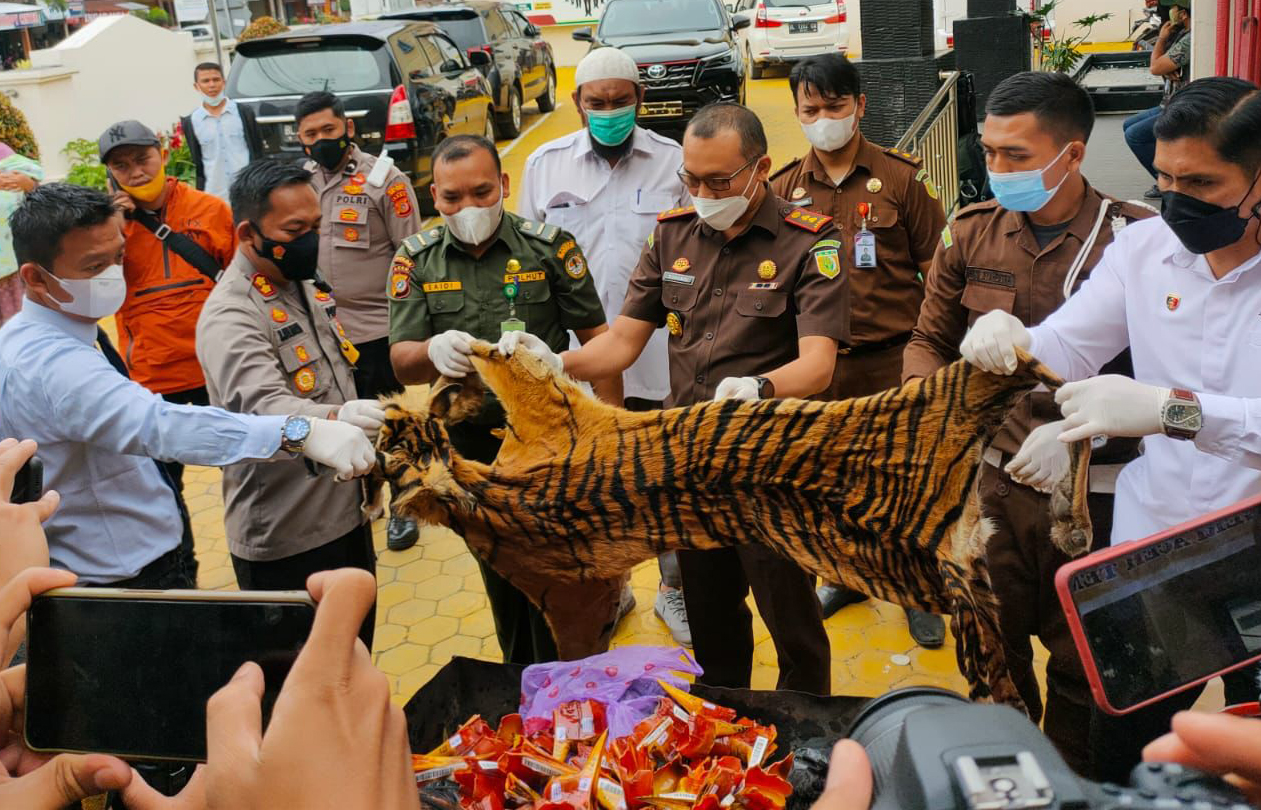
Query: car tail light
{"points": [[486, 49], [840, 16], [762, 21], [399, 123]]}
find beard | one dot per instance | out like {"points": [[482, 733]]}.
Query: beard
{"points": [[613, 153]]}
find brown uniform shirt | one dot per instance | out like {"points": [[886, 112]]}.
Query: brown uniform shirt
{"points": [[905, 218], [268, 349], [784, 273], [363, 227], [989, 259]]}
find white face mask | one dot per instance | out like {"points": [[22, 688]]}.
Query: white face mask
{"points": [[213, 101], [473, 224], [96, 297], [722, 213], [830, 134]]}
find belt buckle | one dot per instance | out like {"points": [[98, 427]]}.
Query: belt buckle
{"points": [[162, 232]]}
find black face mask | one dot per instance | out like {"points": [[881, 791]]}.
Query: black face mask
{"points": [[328, 152], [297, 259], [1201, 226]]}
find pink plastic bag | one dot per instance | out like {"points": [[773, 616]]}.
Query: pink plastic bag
{"points": [[624, 680]]}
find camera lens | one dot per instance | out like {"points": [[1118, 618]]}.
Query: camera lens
{"points": [[878, 726]]}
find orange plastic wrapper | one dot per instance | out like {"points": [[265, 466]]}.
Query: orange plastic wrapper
{"points": [[689, 754]]}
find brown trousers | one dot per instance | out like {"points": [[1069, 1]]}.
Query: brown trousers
{"points": [[1022, 564]]}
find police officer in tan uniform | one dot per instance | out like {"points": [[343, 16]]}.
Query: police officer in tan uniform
{"points": [[270, 342], [1024, 253], [368, 211], [755, 297], [889, 211]]}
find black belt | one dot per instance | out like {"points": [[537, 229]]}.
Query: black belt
{"points": [[876, 346]]}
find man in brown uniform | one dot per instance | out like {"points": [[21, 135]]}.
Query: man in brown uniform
{"points": [[756, 299], [1019, 253], [368, 210], [269, 343], [888, 210]]}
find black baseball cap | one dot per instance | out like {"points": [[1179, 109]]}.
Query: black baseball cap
{"points": [[126, 133]]}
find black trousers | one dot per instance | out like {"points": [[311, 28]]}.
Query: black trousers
{"points": [[352, 550], [715, 585], [520, 627], [374, 376]]}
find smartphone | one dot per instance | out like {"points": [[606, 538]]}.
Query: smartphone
{"points": [[128, 672], [1157, 616], [28, 484]]}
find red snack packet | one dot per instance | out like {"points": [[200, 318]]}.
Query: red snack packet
{"points": [[575, 791], [463, 741]]}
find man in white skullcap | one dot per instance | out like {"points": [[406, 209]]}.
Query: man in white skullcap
{"points": [[606, 184]]}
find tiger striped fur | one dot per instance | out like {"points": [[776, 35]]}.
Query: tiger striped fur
{"points": [[878, 493]]}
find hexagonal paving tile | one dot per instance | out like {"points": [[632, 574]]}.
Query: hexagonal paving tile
{"points": [[419, 570], [395, 593], [874, 666], [478, 625], [460, 566], [412, 611], [940, 663], [407, 684], [448, 547], [491, 650], [892, 637], [460, 604], [403, 658], [387, 636], [444, 651], [433, 629], [438, 587]]}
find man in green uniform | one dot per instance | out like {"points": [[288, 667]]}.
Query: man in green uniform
{"points": [[485, 272]]}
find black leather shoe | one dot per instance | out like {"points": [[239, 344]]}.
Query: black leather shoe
{"points": [[1152, 193], [928, 630], [401, 533], [834, 597]]}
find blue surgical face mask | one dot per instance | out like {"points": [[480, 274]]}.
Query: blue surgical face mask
{"points": [[1025, 191], [611, 127]]}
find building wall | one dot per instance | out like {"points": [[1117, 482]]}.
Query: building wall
{"points": [[112, 69]]}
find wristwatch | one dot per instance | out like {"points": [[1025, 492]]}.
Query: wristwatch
{"points": [[765, 388], [1181, 415], [294, 433]]}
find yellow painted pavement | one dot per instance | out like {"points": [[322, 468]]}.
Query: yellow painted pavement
{"points": [[431, 603]]}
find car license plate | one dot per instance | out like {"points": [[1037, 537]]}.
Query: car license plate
{"points": [[811, 27], [289, 134], [661, 109]]}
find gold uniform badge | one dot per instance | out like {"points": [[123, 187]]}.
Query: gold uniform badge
{"points": [[674, 323], [767, 270]]}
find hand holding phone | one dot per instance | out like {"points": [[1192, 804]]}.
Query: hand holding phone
{"points": [[22, 544]]}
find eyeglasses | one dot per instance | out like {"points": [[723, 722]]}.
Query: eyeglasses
{"points": [[693, 182]]}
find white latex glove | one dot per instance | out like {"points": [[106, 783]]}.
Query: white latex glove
{"points": [[449, 352], [511, 341], [341, 447], [738, 388], [1111, 405], [1043, 459], [365, 414], [991, 343]]}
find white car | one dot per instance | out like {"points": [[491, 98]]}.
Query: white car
{"points": [[784, 31]]}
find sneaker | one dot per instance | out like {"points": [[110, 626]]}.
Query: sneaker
{"points": [[673, 612], [401, 533], [1152, 193], [625, 605]]}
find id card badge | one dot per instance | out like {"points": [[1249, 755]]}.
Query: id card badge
{"points": [[512, 325], [864, 249]]}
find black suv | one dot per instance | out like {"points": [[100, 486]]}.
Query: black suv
{"points": [[687, 53], [405, 84], [522, 67]]}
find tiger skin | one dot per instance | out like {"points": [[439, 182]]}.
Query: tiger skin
{"points": [[878, 493]]}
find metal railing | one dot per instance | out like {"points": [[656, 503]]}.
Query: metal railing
{"points": [[934, 136]]}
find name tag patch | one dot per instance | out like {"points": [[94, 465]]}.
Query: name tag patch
{"points": [[441, 286], [984, 276], [520, 278], [678, 278]]}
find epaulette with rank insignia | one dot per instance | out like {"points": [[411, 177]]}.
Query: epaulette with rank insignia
{"points": [[429, 237], [539, 230], [807, 220], [676, 213], [263, 286], [904, 156], [786, 167]]}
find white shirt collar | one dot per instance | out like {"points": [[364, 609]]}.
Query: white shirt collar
{"points": [[229, 108], [77, 329]]}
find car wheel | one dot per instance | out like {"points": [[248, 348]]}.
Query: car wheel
{"points": [[489, 134], [547, 101], [508, 125]]}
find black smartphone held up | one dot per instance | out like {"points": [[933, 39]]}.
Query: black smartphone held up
{"points": [[128, 672], [1156, 616], [28, 484]]}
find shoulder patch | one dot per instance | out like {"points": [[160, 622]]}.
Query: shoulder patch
{"points": [[676, 213], [807, 220], [417, 242], [539, 230], [905, 157], [786, 167], [947, 238]]}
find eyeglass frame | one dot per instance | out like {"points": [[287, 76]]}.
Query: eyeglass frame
{"points": [[684, 174]]}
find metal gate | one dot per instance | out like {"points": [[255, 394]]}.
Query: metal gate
{"points": [[934, 137]]}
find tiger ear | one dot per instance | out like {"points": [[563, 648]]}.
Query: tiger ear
{"points": [[441, 396], [456, 400]]}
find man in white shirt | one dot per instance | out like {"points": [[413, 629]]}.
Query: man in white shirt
{"points": [[222, 136], [606, 184], [1184, 293]]}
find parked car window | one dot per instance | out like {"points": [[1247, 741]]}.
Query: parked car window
{"points": [[521, 22], [293, 71], [629, 18], [496, 28], [448, 51], [515, 28], [431, 52], [462, 25], [411, 58]]}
